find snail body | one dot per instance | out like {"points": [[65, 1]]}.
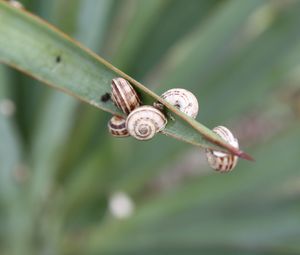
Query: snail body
{"points": [[144, 122], [124, 96], [183, 99], [221, 161], [117, 126]]}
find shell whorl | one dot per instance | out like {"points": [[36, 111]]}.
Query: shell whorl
{"points": [[117, 126], [144, 122], [184, 100], [221, 161], [124, 96]]}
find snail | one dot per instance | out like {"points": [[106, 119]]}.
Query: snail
{"points": [[183, 99], [124, 96], [117, 126], [221, 161], [144, 122]]}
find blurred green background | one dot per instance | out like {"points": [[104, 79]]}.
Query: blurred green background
{"points": [[68, 187]]}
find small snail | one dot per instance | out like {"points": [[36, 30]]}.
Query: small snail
{"points": [[124, 96], [183, 99], [221, 161], [144, 122], [117, 126]]}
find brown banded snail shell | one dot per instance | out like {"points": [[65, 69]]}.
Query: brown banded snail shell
{"points": [[144, 122], [221, 161], [117, 126], [124, 96], [183, 99]]}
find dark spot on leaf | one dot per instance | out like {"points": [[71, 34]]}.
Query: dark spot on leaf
{"points": [[58, 59], [105, 97]]}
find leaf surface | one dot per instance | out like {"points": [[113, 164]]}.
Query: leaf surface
{"points": [[53, 58]]}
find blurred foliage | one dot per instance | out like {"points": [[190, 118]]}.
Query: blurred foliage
{"points": [[60, 168]]}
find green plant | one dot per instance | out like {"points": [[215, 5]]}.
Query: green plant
{"points": [[59, 167]]}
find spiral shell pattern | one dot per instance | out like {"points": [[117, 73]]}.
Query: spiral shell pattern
{"points": [[117, 126], [221, 161], [184, 100], [144, 122], [124, 96]]}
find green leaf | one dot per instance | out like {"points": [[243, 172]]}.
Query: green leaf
{"points": [[51, 57], [13, 174]]}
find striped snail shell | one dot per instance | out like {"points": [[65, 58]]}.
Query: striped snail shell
{"points": [[144, 122], [184, 100], [221, 161], [117, 126], [124, 96]]}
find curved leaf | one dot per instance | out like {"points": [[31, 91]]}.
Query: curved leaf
{"points": [[53, 58]]}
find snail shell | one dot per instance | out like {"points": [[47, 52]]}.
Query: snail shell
{"points": [[184, 100], [144, 122], [117, 126], [221, 161], [124, 96]]}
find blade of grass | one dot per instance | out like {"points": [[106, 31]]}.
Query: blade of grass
{"points": [[157, 31], [64, 64], [245, 72], [12, 176], [96, 14], [147, 13], [263, 71], [203, 50]]}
